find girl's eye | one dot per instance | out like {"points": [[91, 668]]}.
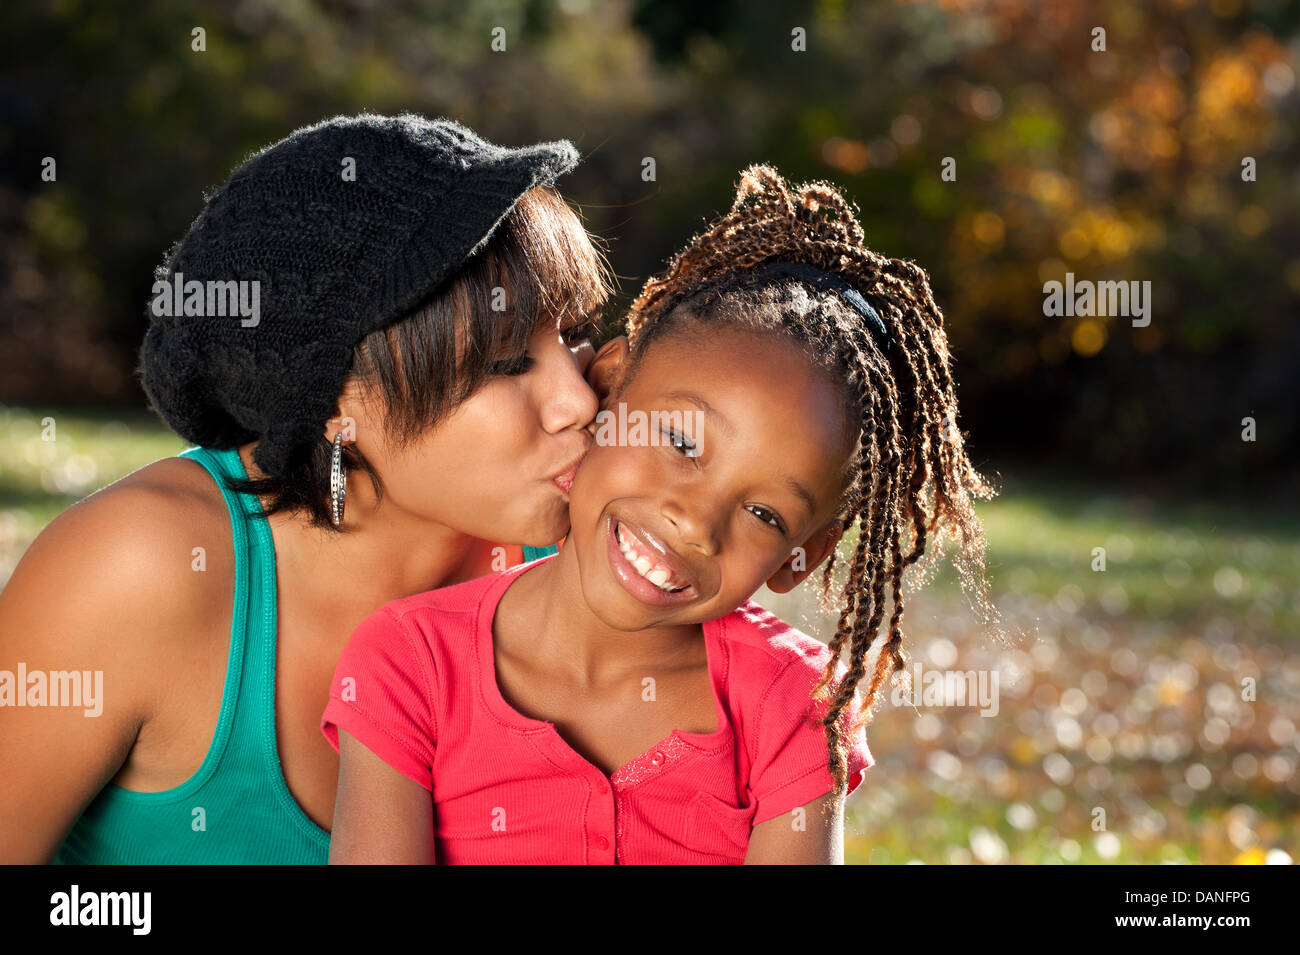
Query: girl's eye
{"points": [[577, 334], [511, 366], [767, 517], [682, 443]]}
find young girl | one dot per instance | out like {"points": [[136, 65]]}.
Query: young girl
{"points": [[624, 701]]}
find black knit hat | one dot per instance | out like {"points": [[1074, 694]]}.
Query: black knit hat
{"points": [[344, 227]]}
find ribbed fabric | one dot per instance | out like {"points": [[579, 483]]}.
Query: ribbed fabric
{"points": [[237, 808], [416, 685]]}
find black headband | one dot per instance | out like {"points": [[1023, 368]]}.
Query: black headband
{"points": [[828, 282]]}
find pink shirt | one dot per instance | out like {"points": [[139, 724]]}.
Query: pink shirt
{"points": [[416, 685]]}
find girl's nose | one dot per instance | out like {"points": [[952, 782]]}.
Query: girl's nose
{"points": [[688, 510]]}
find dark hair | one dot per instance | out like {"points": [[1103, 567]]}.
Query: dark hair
{"points": [[910, 465], [540, 267]]}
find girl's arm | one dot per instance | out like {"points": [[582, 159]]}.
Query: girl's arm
{"points": [[380, 816], [809, 835]]}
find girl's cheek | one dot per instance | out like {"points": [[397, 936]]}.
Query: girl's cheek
{"points": [[611, 473], [637, 471], [614, 458]]}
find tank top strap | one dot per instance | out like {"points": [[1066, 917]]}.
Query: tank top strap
{"points": [[534, 553], [252, 747], [237, 807], [236, 699]]}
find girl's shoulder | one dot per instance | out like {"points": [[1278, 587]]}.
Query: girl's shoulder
{"points": [[769, 662], [772, 671], [463, 599], [759, 636], [416, 647], [438, 623]]}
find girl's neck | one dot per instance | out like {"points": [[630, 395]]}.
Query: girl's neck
{"points": [[544, 617]]}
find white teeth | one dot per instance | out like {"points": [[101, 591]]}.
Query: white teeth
{"points": [[658, 576]]}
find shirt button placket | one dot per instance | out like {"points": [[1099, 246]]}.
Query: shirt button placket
{"points": [[600, 823]]}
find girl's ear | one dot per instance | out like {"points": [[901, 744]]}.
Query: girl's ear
{"points": [[805, 559], [606, 369]]}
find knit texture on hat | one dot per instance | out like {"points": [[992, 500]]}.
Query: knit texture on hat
{"points": [[334, 260]]}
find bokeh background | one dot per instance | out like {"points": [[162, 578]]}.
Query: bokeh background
{"points": [[1123, 689]]}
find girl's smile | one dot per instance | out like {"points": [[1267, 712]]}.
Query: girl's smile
{"points": [[646, 567]]}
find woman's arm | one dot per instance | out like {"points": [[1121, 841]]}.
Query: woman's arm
{"points": [[809, 835], [380, 816], [99, 593]]}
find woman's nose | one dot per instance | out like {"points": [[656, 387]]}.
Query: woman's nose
{"points": [[568, 401]]}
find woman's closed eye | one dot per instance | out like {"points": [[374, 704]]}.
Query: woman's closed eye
{"points": [[577, 334], [518, 365], [573, 336]]}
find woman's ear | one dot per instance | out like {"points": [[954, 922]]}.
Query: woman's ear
{"points": [[348, 412], [805, 559], [606, 369]]}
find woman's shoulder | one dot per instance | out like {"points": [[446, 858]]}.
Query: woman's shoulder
{"points": [[143, 554], [159, 515]]}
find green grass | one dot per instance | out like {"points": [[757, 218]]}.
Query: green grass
{"points": [[1181, 562]]}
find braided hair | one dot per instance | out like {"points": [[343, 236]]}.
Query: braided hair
{"points": [[909, 468]]}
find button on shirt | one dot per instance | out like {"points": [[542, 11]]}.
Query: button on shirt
{"points": [[417, 686]]}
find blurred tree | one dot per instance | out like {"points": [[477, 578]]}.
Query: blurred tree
{"points": [[1117, 165]]}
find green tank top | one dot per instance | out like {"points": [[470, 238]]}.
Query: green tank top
{"points": [[237, 807]]}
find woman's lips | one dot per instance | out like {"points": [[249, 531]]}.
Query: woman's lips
{"points": [[564, 480], [631, 579]]}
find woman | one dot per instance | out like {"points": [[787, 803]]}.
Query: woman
{"points": [[393, 296]]}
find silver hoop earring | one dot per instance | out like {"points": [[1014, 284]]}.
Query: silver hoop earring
{"points": [[338, 482]]}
